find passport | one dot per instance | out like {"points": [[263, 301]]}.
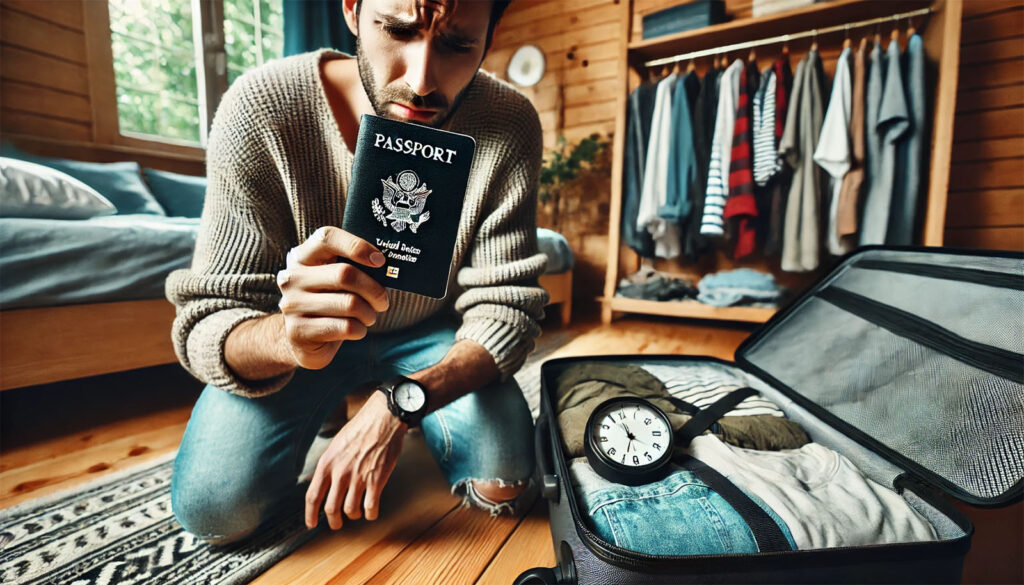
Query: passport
{"points": [[405, 197]]}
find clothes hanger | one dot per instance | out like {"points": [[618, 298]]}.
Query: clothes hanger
{"points": [[814, 43], [894, 36], [676, 68], [846, 38], [691, 66], [911, 31], [752, 56], [652, 73]]}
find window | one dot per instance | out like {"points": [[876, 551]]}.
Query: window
{"points": [[173, 59]]}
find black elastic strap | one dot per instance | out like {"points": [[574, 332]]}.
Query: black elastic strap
{"points": [[994, 360], [766, 531], [683, 405], [704, 419], [972, 275]]}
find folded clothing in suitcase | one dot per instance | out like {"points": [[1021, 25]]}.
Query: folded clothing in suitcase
{"points": [[908, 362]]}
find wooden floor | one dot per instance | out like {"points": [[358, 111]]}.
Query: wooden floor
{"points": [[422, 536]]}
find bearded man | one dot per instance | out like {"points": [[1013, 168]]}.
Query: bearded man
{"points": [[282, 332]]}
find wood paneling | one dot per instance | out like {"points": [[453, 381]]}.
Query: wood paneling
{"points": [[986, 203], [67, 13], [37, 69], [42, 36], [44, 101]]}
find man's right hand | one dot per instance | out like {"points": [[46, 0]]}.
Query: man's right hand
{"points": [[326, 302]]}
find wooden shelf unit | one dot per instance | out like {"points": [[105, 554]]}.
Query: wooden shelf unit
{"points": [[941, 37]]}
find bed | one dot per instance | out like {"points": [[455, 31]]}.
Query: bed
{"points": [[85, 297]]}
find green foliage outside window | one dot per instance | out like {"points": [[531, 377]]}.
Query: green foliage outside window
{"points": [[155, 59]]}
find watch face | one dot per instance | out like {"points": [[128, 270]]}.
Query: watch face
{"points": [[410, 397], [629, 440]]}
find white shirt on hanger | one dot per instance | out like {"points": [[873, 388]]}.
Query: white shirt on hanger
{"points": [[654, 192], [721, 151], [835, 150]]}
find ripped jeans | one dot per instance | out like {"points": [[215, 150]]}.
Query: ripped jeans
{"points": [[240, 458]]}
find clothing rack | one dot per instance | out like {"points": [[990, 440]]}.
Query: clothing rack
{"points": [[785, 38]]}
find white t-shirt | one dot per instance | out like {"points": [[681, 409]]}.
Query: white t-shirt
{"points": [[823, 498]]}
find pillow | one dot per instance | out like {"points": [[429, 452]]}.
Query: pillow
{"points": [[119, 182], [180, 195], [31, 190]]}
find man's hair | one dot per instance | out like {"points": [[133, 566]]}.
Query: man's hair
{"points": [[497, 10]]}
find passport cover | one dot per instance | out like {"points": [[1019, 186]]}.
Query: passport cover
{"points": [[405, 197]]}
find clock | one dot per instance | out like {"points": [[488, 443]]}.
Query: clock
{"points": [[629, 441], [526, 67]]}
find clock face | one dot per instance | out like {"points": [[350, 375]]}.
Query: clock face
{"points": [[631, 433], [409, 397]]}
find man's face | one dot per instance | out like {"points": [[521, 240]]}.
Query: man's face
{"points": [[416, 57]]}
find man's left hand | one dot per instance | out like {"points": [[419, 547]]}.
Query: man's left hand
{"points": [[357, 464]]}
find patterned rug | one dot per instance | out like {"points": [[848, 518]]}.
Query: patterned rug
{"points": [[119, 529]]}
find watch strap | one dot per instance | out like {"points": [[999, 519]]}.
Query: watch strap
{"points": [[388, 387]]}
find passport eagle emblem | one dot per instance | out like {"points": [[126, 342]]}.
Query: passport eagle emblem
{"points": [[404, 199]]}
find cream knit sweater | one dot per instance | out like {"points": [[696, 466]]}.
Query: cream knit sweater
{"points": [[278, 169]]}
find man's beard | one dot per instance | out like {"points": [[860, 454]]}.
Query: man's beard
{"points": [[402, 94]]}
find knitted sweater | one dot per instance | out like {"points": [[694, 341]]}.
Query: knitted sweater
{"points": [[278, 169]]}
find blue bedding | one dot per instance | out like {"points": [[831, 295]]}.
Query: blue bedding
{"points": [[48, 262]]}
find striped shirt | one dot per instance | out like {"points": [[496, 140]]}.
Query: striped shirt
{"points": [[721, 152], [702, 383]]}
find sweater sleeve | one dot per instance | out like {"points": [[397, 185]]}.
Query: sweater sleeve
{"points": [[232, 276], [502, 303]]}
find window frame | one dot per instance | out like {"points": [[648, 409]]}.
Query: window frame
{"points": [[208, 39]]}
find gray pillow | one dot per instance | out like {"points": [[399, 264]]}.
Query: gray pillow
{"points": [[31, 190]]}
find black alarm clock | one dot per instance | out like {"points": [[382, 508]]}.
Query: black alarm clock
{"points": [[629, 441]]}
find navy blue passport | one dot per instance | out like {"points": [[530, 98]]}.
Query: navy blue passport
{"points": [[405, 197]]}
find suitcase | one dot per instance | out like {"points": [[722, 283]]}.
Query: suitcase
{"points": [[908, 361]]}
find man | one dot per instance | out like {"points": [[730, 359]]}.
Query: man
{"points": [[282, 332]]}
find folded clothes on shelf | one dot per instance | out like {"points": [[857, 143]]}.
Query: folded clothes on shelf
{"points": [[739, 287], [652, 285]]}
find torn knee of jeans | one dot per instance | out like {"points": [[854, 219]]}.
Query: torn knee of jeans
{"points": [[471, 495]]}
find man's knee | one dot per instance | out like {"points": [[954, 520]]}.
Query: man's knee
{"points": [[497, 491], [496, 496], [215, 513]]}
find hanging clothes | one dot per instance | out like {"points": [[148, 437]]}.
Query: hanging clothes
{"points": [[893, 123], [741, 207], [834, 152], [779, 183], [721, 152], [909, 153], [634, 160], [801, 232], [704, 111], [766, 150], [653, 193], [682, 165], [850, 194]]}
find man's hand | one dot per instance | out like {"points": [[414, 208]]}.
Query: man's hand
{"points": [[325, 302], [357, 464]]}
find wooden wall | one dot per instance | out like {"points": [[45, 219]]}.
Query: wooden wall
{"points": [[986, 205], [47, 101]]}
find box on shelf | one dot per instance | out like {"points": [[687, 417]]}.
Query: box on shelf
{"points": [[683, 17]]}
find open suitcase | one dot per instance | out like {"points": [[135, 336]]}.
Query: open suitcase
{"points": [[908, 361]]}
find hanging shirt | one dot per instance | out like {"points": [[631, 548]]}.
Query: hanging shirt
{"points": [[801, 233], [682, 165], [893, 123], [704, 110], [912, 168], [653, 194], [834, 153], [850, 194], [633, 169], [781, 179], [741, 207], [766, 148], [721, 152]]}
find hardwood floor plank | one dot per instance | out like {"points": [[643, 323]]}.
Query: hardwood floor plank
{"points": [[529, 546], [454, 551], [65, 471]]}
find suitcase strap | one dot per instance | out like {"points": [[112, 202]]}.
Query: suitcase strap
{"points": [[767, 533], [706, 419]]}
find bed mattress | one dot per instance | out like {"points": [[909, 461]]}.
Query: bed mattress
{"points": [[45, 262]]}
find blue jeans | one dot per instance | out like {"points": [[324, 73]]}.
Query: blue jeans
{"points": [[240, 458], [678, 515]]}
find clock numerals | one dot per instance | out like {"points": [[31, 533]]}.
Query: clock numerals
{"points": [[648, 456], [656, 433], [611, 451], [647, 421], [636, 460], [622, 416], [605, 427], [656, 446], [604, 439]]}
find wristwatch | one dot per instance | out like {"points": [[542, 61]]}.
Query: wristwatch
{"points": [[407, 399]]}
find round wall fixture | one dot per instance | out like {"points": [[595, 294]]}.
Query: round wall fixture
{"points": [[526, 67]]}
